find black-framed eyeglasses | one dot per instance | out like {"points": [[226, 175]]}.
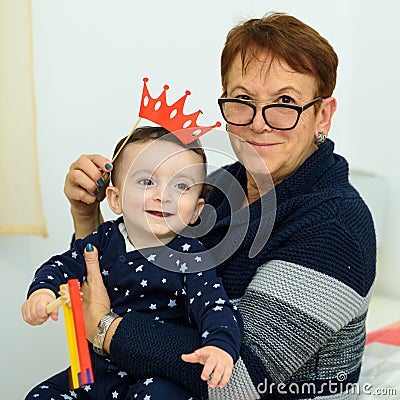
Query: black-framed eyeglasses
{"points": [[276, 115]]}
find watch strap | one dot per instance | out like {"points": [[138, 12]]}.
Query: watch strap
{"points": [[101, 331]]}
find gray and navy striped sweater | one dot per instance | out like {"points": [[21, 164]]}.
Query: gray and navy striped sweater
{"points": [[303, 297]]}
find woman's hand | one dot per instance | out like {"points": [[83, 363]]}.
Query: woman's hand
{"points": [[96, 302], [84, 188]]}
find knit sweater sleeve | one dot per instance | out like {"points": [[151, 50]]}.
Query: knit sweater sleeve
{"points": [[144, 347]]}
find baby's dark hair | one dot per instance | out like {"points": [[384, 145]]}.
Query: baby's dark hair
{"points": [[149, 133]]}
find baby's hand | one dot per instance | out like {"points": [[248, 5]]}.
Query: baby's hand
{"points": [[216, 362], [34, 309]]}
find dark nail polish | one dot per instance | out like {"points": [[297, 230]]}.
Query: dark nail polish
{"points": [[96, 192], [100, 182], [89, 247], [108, 167]]}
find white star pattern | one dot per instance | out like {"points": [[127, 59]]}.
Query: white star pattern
{"points": [[200, 274], [65, 275], [115, 394], [66, 396], [220, 301], [73, 394], [197, 258], [147, 397], [205, 334], [50, 277], [153, 306], [58, 263], [186, 247], [105, 272], [151, 257], [122, 374], [199, 293], [127, 293], [183, 267], [163, 280], [172, 303], [217, 285], [74, 254], [144, 282], [148, 381], [191, 300], [139, 268], [87, 388], [217, 308]]}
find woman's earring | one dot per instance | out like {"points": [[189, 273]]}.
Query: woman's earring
{"points": [[321, 137]]}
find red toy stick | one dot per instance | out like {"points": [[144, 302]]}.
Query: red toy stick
{"points": [[86, 374]]}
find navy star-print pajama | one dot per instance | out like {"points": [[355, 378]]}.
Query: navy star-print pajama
{"points": [[174, 283]]}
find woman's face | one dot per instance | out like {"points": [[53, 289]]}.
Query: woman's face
{"points": [[281, 151]]}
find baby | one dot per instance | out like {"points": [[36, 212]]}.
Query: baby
{"points": [[150, 264]]}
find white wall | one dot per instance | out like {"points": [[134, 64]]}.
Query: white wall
{"points": [[90, 58]]}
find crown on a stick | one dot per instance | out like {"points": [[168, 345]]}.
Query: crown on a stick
{"points": [[171, 117]]}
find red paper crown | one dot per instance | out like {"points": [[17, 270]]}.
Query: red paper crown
{"points": [[171, 117]]}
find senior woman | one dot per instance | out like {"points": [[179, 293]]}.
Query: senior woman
{"points": [[304, 296]]}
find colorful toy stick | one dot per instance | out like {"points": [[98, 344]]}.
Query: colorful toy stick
{"points": [[70, 299]]}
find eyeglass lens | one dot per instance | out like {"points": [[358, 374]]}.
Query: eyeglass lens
{"points": [[276, 117]]}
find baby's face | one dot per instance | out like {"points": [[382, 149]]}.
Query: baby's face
{"points": [[161, 187]]}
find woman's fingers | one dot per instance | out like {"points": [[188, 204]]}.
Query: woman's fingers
{"points": [[96, 302], [86, 179], [92, 265]]}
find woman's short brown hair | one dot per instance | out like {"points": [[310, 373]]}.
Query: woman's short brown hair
{"points": [[286, 38]]}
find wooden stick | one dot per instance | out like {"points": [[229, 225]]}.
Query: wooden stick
{"points": [[59, 301], [106, 175], [127, 138], [54, 305]]}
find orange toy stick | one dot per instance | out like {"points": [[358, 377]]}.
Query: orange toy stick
{"points": [[85, 376]]}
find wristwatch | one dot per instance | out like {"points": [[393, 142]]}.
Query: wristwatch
{"points": [[101, 331]]}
